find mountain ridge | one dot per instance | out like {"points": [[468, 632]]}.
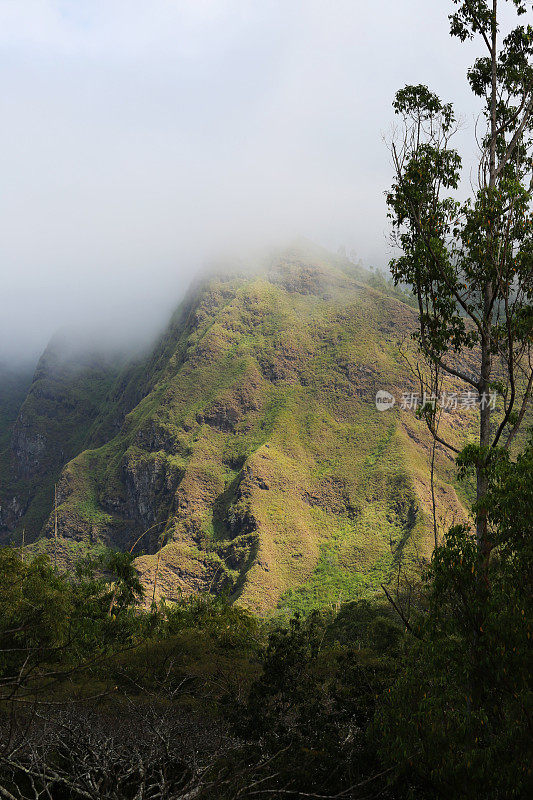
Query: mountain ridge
{"points": [[249, 447]]}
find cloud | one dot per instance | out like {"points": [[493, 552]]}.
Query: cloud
{"points": [[141, 138]]}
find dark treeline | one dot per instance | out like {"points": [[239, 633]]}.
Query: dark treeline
{"points": [[427, 695]]}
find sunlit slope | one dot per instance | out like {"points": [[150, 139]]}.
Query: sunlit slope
{"points": [[257, 458]]}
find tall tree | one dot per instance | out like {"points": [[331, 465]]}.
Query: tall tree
{"points": [[470, 262]]}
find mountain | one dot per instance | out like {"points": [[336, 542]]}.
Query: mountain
{"points": [[52, 423], [14, 385], [248, 445]]}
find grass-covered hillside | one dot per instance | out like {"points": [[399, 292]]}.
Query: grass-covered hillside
{"points": [[253, 453]]}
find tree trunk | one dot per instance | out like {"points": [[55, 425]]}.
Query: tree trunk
{"points": [[484, 426], [488, 294]]}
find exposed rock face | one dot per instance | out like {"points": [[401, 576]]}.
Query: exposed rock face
{"points": [[10, 513], [28, 446], [151, 483]]}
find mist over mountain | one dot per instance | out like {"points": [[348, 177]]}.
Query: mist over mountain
{"points": [[137, 145]]}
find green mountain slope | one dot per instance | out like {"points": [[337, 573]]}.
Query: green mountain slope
{"points": [[250, 447]]}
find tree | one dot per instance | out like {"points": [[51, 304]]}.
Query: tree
{"points": [[54, 625], [35, 606], [460, 715], [470, 263], [304, 722], [128, 587], [94, 704]]}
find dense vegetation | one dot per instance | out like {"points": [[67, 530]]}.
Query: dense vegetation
{"points": [[429, 695]]}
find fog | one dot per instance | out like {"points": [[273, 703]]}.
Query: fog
{"points": [[141, 138]]}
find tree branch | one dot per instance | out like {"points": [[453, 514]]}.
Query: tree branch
{"points": [[514, 141], [525, 402], [478, 26]]}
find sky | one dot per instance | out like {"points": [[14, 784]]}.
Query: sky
{"points": [[142, 138]]}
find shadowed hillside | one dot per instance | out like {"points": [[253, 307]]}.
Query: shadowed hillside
{"points": [[51, 421]]}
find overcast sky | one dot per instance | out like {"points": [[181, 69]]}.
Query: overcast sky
{"points": [[139, 137]]}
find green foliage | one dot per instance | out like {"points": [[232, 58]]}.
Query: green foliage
{"points": [[128, 588], [233, 626], [460, 713], [333, 702], [309, 709], [35, 609], [48, 618]]}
